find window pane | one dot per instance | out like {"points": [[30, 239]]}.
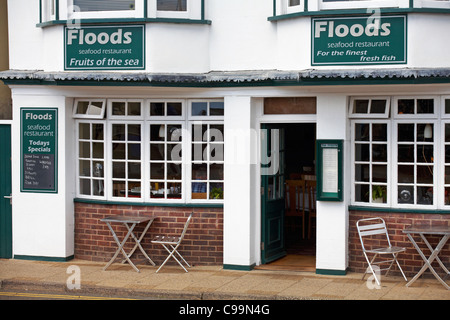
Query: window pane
{"points": [[134, 170], [199, 108], [118, 108], [405, 153], [406, 194], [119, 170], [174, 109], [379, 132], [406, 174], [362, 193], [406, 106], [425, 106], [425, 174], [216, 109], [134, 108], [97, 150], [157, 151], [379, 173], [173, 171], [85, 187], [216, 190], [216, 172], [85, 168], [118, 151], [118, 132], [157, 109], [361, 152], [104, 5], [425, 154], [447, 105], [378, 106], [379, 194], [84, 131], [294, 3], [361, 106], [362, 172], [171, 5], [362, 132], [174, 152], [157, 171], [134, 151], [85, 150], [97, 131], [406, 132], [379, 153], [425, 195]]}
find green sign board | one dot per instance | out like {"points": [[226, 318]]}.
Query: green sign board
{"points": [[104, 48], [359, 40], [39, 149]]}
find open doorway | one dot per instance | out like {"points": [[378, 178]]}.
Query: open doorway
{"points": [[298, 229]]}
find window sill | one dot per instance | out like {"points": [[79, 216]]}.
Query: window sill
{"points": [[339, 12], [398, 210], [123, 21], [150, 204]]}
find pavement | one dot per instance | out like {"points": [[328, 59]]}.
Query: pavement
{"points": [[80, 277]]}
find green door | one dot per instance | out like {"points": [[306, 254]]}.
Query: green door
{"points": [[5, 193], [272, 193]]}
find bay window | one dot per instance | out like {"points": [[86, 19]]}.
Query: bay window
{"points": [[398, 156], [148, 150]]}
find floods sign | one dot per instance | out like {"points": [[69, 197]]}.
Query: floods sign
{"points": [[359, 40], [104, 48]]}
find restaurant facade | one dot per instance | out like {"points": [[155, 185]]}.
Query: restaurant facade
{"points": [[163, 108]]}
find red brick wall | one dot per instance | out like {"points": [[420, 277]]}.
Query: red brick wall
{"points": [[410, 261], [202, 245]]}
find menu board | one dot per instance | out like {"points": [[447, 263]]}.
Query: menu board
{"points": [[329, 170], [39, 144]]}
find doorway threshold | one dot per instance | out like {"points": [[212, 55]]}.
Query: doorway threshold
{"points": [[291, 262]]}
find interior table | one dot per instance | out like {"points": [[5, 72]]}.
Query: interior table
{"points": [[130, 222], [444, 232]]}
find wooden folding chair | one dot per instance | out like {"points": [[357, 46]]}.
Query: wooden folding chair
{"points": [[367, 228], [173, 243]]}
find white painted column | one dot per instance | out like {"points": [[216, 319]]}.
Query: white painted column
{"points": [[240, 148], [332, 217], [43, 223]]}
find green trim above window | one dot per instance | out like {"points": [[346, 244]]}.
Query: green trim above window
{"points": [[124, 21], [344, 12]]}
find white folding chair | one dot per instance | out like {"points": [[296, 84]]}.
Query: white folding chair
{"points": [[173, 243], [368, 229]]}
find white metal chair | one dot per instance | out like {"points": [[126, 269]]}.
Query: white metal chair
{"points": [[367, 229], [173, 243]]}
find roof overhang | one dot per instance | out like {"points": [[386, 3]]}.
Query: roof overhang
{"points": [[230, 78]]}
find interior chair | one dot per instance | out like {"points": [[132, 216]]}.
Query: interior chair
{"points": [[295, 201], [311, 191], [171, 244], [374, 231]]}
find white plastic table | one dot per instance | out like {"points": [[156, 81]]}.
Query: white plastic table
{"points": [[130, 222], [443, 231]]}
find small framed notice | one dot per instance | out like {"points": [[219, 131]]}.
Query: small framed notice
{"points": [[329, 170]]}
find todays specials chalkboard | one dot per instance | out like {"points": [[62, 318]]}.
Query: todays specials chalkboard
{"points": [[39, 144]]}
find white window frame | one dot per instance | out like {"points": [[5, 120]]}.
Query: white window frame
{"points": [[126, 116], [371, 183], [87, 115], [207, 161], [78, 159], [439, 4], [183, 162], [364, 4], [415, 115], [109, 160], [73, 13], [384, 115], [145, 120], [439, 119]]}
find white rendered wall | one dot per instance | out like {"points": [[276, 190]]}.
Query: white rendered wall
{"points": [[332, 217], [43, 223], [239, 212]]}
